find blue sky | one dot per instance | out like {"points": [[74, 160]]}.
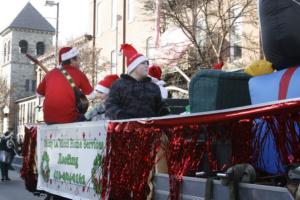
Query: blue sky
{"points": [[74, 15]]}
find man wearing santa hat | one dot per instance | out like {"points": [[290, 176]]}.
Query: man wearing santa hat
{"points": [[155, 73], [60, 101], [102, 90], [135, 95]]}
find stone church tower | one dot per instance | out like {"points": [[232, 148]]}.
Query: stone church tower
{"points": [[28, 33]]}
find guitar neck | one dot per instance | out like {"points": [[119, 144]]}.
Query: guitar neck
{"points": [[43, 67], [37, 62]]}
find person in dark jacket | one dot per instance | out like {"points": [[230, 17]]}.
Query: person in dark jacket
{"points": [[135, 95], [6, 145]]}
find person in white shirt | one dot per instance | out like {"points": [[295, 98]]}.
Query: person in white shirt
{"points": [[101, 90], [155, 73]]}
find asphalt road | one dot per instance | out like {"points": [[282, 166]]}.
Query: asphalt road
{"points": [[15, 189]]}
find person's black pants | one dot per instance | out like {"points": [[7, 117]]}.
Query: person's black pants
{"points": [[4, 170]]}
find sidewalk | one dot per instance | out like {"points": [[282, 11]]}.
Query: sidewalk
{"points": [[17, 162], [15, 189]]}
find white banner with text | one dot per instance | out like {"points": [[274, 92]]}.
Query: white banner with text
{"points": [[69, 158]]}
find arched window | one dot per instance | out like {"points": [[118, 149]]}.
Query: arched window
{"points": [[8, 50], [4, 58], [23, 44], [40, 48]]}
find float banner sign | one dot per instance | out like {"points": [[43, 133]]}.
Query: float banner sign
{"points": [[69, 158]]}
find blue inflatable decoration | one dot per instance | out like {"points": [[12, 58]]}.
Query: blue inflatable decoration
{"points": [[280, 26], [283, 84]]}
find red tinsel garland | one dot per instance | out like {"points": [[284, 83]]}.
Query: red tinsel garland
{"points": [[125, 175], [285, 130], [130, 156], [180, 154], [28, 172]]}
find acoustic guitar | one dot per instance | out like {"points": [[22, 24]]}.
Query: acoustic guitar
{"points": [[82, 102]]}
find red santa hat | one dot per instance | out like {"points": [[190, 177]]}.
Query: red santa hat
{"points": [[105, 84], [155, 72], [133, 58], [67, 53], [218, 66]]}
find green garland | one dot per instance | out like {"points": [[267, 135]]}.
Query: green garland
{"points": [[45, 170], [96, 180]]}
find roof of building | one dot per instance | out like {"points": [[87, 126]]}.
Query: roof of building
{"points": [[30, 18]]}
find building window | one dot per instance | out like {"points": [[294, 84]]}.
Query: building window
{"points": [[4, 58], [99, 19], [236, 34], [33, 85], [114, 58], [19, 115], [201, 33], [23, 45], [23, 114], [40, 48], [150, 48], [8, 50], [28, 113], [33, 112], [113, 14], [24, 111], [130, 8], [237, 51], [27, 83]]}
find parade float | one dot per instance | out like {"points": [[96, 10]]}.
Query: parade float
{"points": [[92, 159], [240, 141]]}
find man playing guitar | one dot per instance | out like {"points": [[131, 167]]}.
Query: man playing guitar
{"points": [[60, 104]]}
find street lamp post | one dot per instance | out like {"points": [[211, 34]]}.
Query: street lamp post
{"points": [[53, 3], [5, 120]]}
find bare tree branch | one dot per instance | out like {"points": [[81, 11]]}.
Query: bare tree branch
{"points": [[210, 26]]}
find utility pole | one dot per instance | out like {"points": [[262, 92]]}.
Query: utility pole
{"points": [[124, 31], [94, 42]]}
